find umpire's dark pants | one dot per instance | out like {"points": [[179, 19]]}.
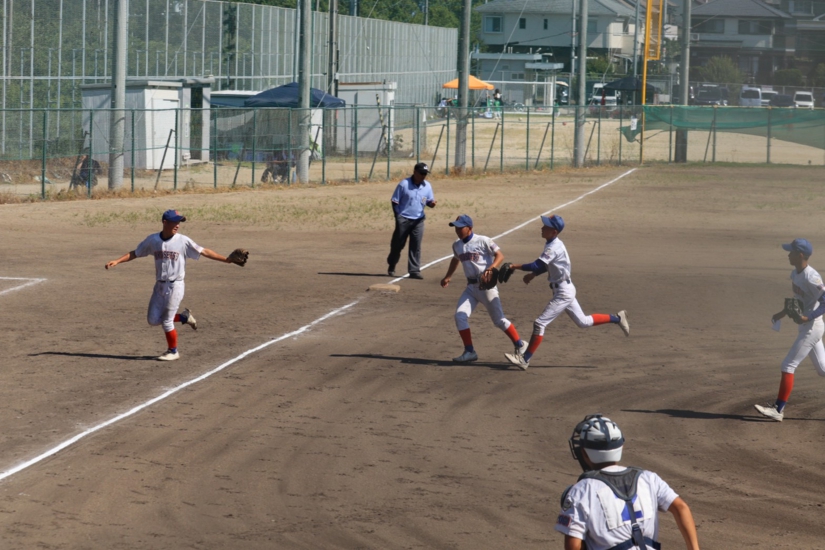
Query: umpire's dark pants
{"points": [[414, 229]]}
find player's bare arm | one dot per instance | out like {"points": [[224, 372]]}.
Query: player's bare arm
{"points": [[432, 203], [684, 519], [450, 270], [212, 255], [572, 543], [128, 257]]}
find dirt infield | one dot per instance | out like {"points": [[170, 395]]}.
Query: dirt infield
{"points": [[360, 432]]}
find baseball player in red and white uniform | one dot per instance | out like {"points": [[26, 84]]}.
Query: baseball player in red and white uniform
{"points": [[806, 285], [478, 255], [556, 263], [614, 507], [170, 250]]}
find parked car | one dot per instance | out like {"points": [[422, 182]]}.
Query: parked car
{"points": [[804, 100], [750, 97], [710, 96], [782, 100], [767, 96]]}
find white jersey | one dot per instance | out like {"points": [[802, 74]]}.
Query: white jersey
{"points": [[170, 256], [557, 260], [476, 255], [593, 513], [808, 287]]}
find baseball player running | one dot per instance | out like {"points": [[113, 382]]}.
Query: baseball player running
{"points": [[807, 286], [613, 507], [171, 250], [479, 256], [556, 263]]}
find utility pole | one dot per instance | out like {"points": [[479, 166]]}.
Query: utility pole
{"points": [[463, 87], [572, 47], [332, 53], [426, 12], [680, 155], [304, 80], [117, 120], [636, 42], [581, 108]]}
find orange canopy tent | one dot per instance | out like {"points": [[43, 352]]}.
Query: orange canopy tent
{"points": [[475, 84]]}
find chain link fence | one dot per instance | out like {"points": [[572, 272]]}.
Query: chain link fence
{"points": [[179, 148]]}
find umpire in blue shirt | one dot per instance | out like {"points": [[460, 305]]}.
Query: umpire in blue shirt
{"points": [[408, 201]]}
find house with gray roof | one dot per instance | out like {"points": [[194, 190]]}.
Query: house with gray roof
{"points": [[758, 36], [545, 27]]}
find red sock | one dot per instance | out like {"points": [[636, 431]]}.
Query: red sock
{"points": [[785, 387], [600, 318], [177, 318], [172, 339], [535, 342], [466, 338], [512, 333]]}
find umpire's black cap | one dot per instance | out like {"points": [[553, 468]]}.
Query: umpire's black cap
{"points": [[422, 168]]}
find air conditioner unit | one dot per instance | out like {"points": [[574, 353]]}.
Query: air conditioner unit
{"points": [[694, 37]]}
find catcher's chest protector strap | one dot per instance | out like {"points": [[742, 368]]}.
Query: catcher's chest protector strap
{"points": [[623, 484]]}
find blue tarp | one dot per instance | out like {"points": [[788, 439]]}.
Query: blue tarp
{"points": [[288, 96]]}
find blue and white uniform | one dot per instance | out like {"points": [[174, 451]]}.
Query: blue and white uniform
{"points": [[808, 287], [170, 269], [593, 513], [477, 254]]}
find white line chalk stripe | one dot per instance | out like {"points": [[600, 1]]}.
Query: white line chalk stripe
{"points": [[71, 441], [161, 397], [19, 287], [531, 220]]}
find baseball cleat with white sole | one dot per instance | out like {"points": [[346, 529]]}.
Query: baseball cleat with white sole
{"points": [[466, 357], [190, 319], [169, 355], [522, 349], [623, 322], [518, 360], [769, 410]]}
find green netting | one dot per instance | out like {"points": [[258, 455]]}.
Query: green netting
{"points": [[803, 126]]}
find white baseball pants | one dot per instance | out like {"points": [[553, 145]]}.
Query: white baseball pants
{"points": [[808, 344], [564, 299], [164, 303], [468, 301]]}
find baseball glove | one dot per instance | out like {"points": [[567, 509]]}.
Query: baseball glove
{"points": [[488, 279], [239, 256], [793, 309], [505, 272]]}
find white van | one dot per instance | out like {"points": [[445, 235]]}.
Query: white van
{"points": [[750, 97], [596, 96]]}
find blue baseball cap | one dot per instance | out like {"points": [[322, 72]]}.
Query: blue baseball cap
{"points": [[462, 221], [553, 221], [800, 245], [173, 216]]}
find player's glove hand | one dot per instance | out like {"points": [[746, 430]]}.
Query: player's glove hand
{"points": [[793, 309], [505, 272], [488, 279], [239, 256]]}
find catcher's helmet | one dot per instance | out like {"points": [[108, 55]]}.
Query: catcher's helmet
{"points": [[599, 437]]}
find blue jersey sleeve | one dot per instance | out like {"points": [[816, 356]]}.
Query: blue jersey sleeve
{"points": [[538, 267]]}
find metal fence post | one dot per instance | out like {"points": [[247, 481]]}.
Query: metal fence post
{"points": [[447, 152], [43, 158], [553, 137], [621, 122], [501, 159], [132, 175], [355, 139], [670, 138], [599, 140], [417, 144], [177, 150], [254, 142], [91, 153], [390, 115], [473, 144], [715, 110], [527, 147], [770, 113], [214, 114]]}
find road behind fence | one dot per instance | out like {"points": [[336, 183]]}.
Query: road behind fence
{"points": [[175, 149]]}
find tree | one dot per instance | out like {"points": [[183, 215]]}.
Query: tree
{"points": [[720, 70], [600, 66], [819, 76]]}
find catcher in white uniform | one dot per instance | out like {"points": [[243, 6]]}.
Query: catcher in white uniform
{"points": [[171, 250], [613, 507], [480, 257], [807, 286], [556, 263]]}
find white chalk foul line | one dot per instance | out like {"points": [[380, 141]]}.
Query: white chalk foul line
{"points": [[19, 287], [131, 412], [531, 220], [71, 441]]}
